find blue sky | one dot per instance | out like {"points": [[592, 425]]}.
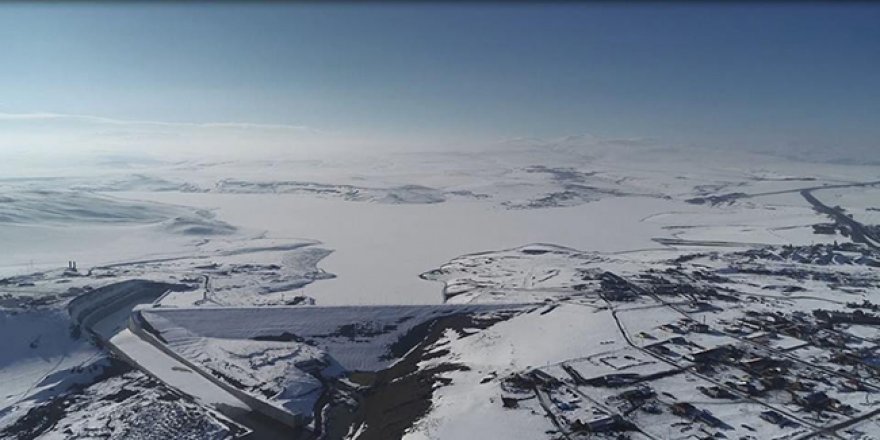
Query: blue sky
{"points": [[775, 76]]}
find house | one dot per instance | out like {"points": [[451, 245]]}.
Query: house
{"points": [[817, 401], [615, 288], [825, 228], [637, 394], [716, 392], [857, 317], [509, 402], [765, 366], [776, 382], [610, 423], [778, 419], [716, 354], [614, 380], [686, 410]]}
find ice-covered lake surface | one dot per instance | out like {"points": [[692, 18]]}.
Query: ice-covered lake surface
{"points": [[379, 250], [584, 264], [388, 219]]}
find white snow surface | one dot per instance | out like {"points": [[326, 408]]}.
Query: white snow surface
{"points": [[387, 218], [36, 352], [270, 351], [358, 231]]}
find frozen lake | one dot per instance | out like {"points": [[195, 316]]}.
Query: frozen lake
{"points": [[380, 249]]}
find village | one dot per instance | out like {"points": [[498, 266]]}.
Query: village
{"points": [[710, 356]]}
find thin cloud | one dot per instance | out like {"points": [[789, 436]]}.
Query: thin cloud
{"points": [[45, 116], [579, 141]]}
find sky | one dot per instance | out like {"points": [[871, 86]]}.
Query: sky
{"points": [[204, 78]]}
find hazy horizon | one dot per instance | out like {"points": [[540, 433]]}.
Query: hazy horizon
{"points": [[240, 79]]}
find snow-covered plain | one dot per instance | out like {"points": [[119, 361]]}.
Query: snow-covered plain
{"points": [[242, 242]]}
